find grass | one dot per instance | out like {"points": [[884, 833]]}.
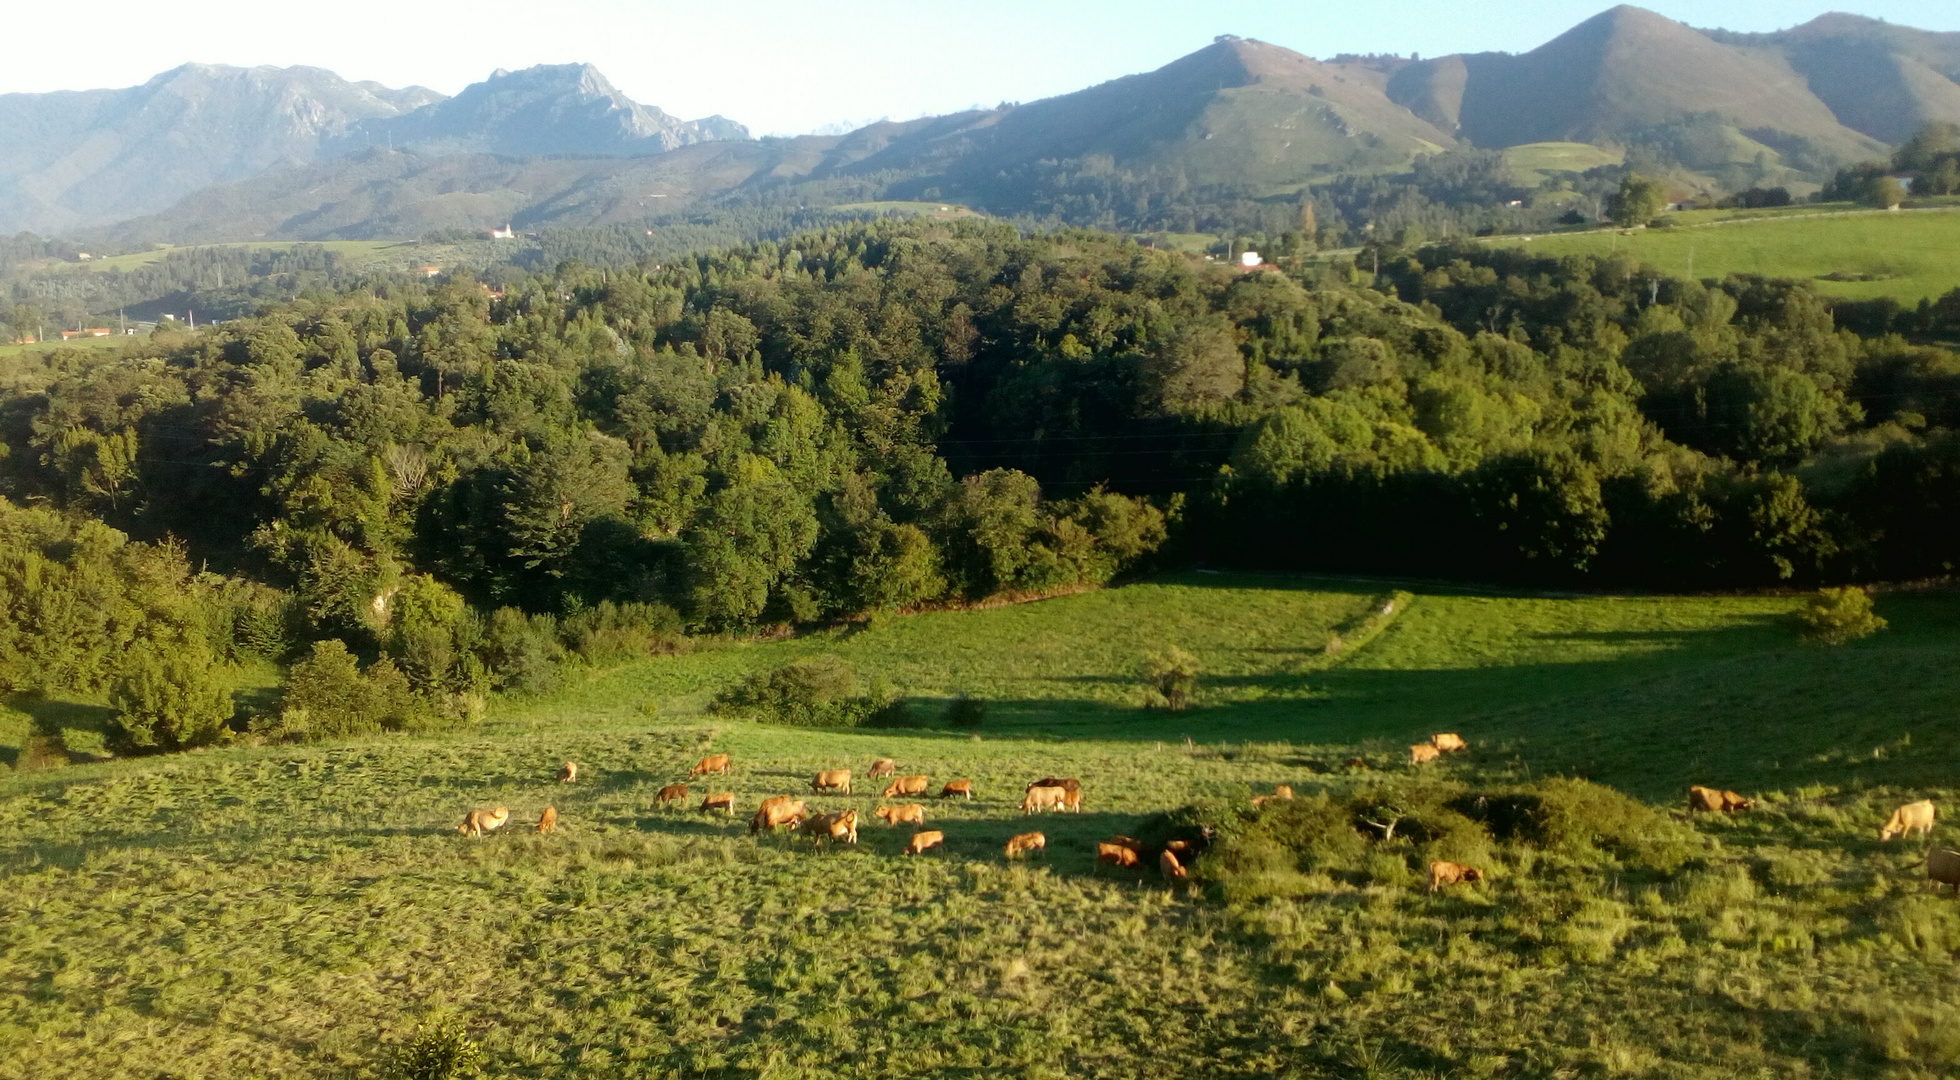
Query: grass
{"points": [[1533, 163], [1907, 255], [946, 211], [372, 249], [113, 341], [295, 911]]}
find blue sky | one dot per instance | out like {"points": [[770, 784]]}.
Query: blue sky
{"points": [[786, 67]]}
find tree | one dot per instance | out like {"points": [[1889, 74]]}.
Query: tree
{"points": [[1170, 679], [749, 537], [170, 697], [1638, 201], [1885, 192], [1835, 616]]}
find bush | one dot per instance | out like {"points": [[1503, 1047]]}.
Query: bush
{"points": [[169, 697], [439, 1051], [812, 692], [1170, 679], [328, 696], [522, 651], [616, 633], [1835, 616]]}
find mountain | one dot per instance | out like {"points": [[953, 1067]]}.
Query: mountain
{"points": [[1883, 80], [75, 158], [548, 109], [1621, 75], [72, 160]]}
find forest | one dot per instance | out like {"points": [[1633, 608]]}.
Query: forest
{"points": [[423, 493]]}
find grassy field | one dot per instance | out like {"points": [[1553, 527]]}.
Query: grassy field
{"points": [[297, 911], [372, 250], [944, 211], [1533, 163], [1907, 255]]}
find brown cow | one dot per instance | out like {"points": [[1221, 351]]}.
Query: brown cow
{"points": [[1172, 870], [1024, 843], [1130, 842], [1042, 798], [912, 812], [1066, 783], [1448, 742], [957, 787], [1713, 799], [776, 810], [719, 800], [713, 763], [1443, 873], [1422, 752], [905, 785], [832, 780], [922, 840], [548, 820], [1280, 791], [884, 766], [1943, 867], [569, 773], [1072, 802], [672, 793], [478, 822], [1912, 816], [1121, 856], [842, 825]]}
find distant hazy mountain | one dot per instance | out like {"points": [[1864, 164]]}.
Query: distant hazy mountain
{"points": [[549, 109], [1883, 80], [71, 159], [76, 159]]}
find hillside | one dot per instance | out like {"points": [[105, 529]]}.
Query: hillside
{"points": [[1879, 78], [329, 879]]}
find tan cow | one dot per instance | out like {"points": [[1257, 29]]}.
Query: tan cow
{"points": [[548, 820], [922, 840], [713, 763], [478, 822], [672, 793], [832, 780], [1422, 752], [568, 774], [1066, 783], [1443, 873], [905, 785], [1943, 867], [957, 787], [1121, 856], [1172, 870], [1714, 799], [1448, 742], [910, 812], [1908, 818], [842, 825], [1130, 842], [884, 766], [1042, 798], [1025, 842], [1280, 791], [719, 800], [1072, 801], [776, 810]]}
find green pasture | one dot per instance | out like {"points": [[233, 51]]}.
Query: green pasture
{"points": [[1908, 255], [947, 211], [1533, 163], [296, 911], [352, 248]]}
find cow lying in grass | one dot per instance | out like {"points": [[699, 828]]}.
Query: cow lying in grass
{"points": [[1713, 799]]}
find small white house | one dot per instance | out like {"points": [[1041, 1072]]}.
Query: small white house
{"points": [[504, 233], [1250, 259]]}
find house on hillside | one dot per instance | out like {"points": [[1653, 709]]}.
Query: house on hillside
{"points": [[504, 233]]}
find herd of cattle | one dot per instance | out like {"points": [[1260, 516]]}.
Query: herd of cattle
{"points": [[1122, 852]]}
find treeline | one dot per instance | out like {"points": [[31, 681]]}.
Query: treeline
{"points": [[894, 415], [1930, 159]]}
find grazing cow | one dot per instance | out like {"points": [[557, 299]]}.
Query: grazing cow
{"points": [[1172, 870], [1943, 867], [1450, 873], [776, 810], [1714, 799], [569, 773], [832, 780], [905, 785], [719, 800], [912, 812], [1042, 798], [1072, 801], [884, 766], [1121, 856], [1024, 843], [842, 825], [1422, 752], [1912, 816], [478, 822], [922, 840], [957, 787], [1448, 742], [713, 763], [1066, 783], [672, 793], [548, 820]]}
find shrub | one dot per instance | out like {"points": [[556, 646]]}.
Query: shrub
{"points": [[328, 696], [522, 651], [616, 633], [169, 697], [1835, 616], [1170, 679], [811, 692], [440, 1051]]}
